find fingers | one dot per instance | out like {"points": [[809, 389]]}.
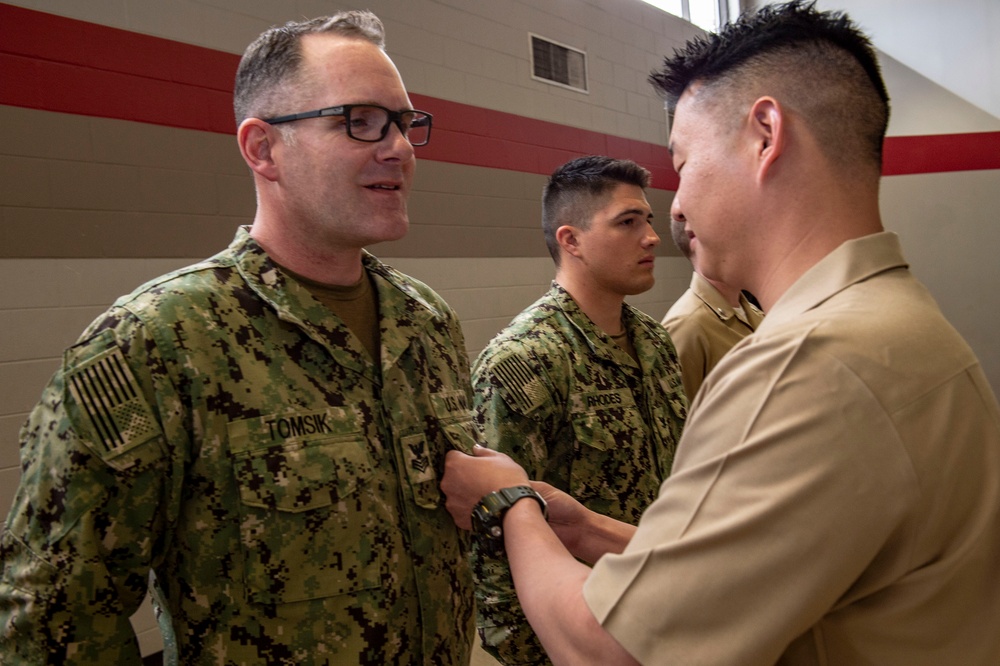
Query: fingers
{"points": [[467, 478], [548, 492], [458, 499], [462, 518], [543, 487]]}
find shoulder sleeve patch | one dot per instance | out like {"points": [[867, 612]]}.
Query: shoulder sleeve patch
{"points": [[112, 415], [520, 386]]}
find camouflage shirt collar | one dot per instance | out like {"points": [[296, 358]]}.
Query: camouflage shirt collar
{"points": [[601, 344], [403, 310], [399, 303]]}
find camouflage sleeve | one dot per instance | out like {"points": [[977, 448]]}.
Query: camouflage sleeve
{"points": [[516, 407], [516, 410], [76, 549]]}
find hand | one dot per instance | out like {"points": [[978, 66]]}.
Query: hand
{"points": [[467, 479], [586, 534], [566, 515]]}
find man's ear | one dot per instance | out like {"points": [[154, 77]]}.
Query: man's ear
{"points": [[256, 139], [768, 129], [568, 238]]}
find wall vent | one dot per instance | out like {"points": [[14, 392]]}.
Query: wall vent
{"points": [[558, 64]]}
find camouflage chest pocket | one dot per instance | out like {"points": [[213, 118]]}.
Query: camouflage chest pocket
{"points": [[304, 528], [610, 445]]}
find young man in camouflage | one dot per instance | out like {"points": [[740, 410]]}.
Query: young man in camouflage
{"points": [[264, 430], [582, 389]]}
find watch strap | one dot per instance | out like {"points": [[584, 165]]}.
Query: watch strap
{"points": [[515, 493]]}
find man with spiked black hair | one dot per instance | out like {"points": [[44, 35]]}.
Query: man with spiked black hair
{"points": [[833, 498]]}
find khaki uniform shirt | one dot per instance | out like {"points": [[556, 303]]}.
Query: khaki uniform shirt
{"points": [[834, 498], [704, 327], [225, 429], [562, 399]]}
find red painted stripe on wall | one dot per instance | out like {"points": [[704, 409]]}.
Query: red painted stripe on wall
{"points": [[465, 134], [59, 64], [941, 153]]}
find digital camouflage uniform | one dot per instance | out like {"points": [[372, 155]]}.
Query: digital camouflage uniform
{"points": [[226, 429], [573, 408]]}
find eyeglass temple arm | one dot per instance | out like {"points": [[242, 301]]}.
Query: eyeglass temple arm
{"points": [[330, 111]]}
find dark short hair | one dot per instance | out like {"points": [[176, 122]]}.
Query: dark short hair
{"points": [[575, 189], [819, 63], [272, 61]]}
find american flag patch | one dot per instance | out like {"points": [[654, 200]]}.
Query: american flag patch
{"points": [[522, 389], [108, 393]]}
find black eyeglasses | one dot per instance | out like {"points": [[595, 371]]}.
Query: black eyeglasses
{"points": [[370, 122]]}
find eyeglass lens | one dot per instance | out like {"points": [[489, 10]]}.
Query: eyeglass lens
{"points": [[371, 123]]}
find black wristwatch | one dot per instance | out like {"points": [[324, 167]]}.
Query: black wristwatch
{"points": [[487, 516]]}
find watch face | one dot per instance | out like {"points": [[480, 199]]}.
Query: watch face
{"points": [[487, 528]]}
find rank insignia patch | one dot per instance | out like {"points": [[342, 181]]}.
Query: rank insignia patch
{"points": [[418, 460]]}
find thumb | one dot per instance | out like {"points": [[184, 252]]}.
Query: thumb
{"points": [[481, 451]]}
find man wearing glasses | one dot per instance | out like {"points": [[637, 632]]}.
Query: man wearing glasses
{"points": [[263, 431]]}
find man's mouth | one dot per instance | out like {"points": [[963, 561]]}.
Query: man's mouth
{"points": [[382, 186]]}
